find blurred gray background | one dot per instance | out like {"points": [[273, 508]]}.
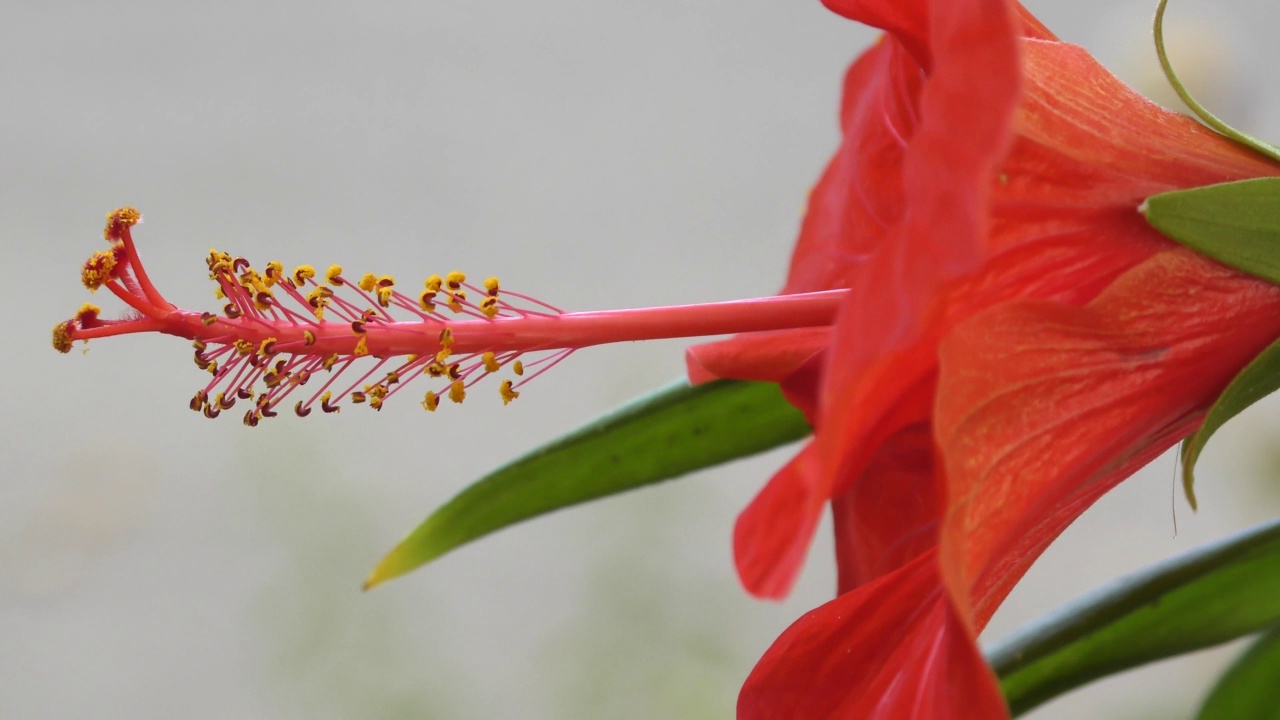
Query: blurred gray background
{"points": [[156, 564]]}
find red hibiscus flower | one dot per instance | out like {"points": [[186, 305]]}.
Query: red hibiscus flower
{"points": [[1016, 340]]}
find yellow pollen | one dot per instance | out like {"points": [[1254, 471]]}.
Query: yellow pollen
{"points": [[362, 347], [334, 275], [213, 367], [384, 296], [303, 273], [329, 361], [491, 286], [443, 355], [430, 401], [489, 306], [518, 367], [455, 300], [243, 347], [97, 269], [119, 219], [376, 403], [368, 282], [490, 362], [435, 368], [507, 393], [267, 347], [62, 336], [457, 392], [308, 337], [88, 312], [424, 301], [275, 271], [455, 279], [217, 293], [433, 283], [446, 338]]}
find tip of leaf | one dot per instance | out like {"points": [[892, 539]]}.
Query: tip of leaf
{"points": [[388, 568]]}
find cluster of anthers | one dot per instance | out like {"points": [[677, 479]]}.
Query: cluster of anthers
{"points": [[279, 332]]}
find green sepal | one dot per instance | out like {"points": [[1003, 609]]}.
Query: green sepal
{"points": [[1235, 223], [1201, 111], [676, 430], [1201, 598], [1260, 378]]}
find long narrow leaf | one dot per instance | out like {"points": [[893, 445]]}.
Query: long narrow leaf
{"points": [[676, 430], [1202, 598], [1249, 689]]}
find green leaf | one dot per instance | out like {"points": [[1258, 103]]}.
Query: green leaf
{"points": [[1198, 599], [1249, 690], [676, 430], [1260, 378], [1235, 223]]}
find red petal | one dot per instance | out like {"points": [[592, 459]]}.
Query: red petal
{"points": [[891, 516], [772, 535], [769, 357], [892, 650], [1042, 406]]}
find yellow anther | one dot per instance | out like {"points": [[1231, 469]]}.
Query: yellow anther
{"points": [[263, 300], [446, 338], [507, 393], [213, 367], [217, 293], [333, 275], [303, 273], [457, 392], [198, 345], [443, 355], [455, 279], [357, 397], [456, 299], [97, 269], [433, 283], [517, 367], [267, 347], [386, 281], [368, 282], [455, 371], [425, 301], [243, 347], [308, 338], [489, 306], [275, 271], [208, 318], [430, 401], [491, 286], [324, 403], [119, 219], [376, 403], [435, 368], [490, 362], [362, 347], [62, 336], [330, 361], [384, 296], [392, 378]]}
